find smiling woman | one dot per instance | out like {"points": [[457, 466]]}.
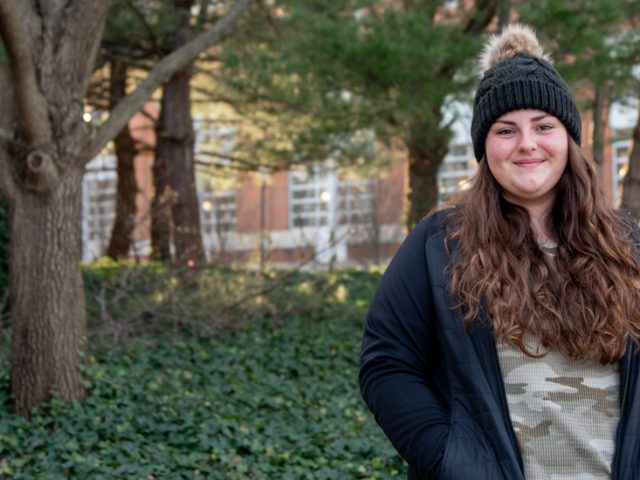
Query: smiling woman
{"points": [[501, 341], [527, 152]]}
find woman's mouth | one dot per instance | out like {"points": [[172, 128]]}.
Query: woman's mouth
{"points": [[529, 162]]}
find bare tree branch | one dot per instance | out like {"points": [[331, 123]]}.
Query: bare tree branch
{"points": [[5, 136], [172, 63], [247, 164], [19, 24], [8, 187], [155, 44], [270, 20], [41, 174], [86, 21], [479, 17]]}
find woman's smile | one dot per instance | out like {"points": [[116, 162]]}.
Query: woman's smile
{"points": [[529, 162], [527, 153]]}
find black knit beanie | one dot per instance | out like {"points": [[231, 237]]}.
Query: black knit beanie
{"points": [[518, 77]]}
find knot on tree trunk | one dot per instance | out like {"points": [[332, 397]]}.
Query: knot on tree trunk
{"points": [[41, 172]]}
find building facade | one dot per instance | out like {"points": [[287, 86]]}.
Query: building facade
{"points": [[314, 216]]}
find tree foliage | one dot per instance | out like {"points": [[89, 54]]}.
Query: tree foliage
{"points": [[591, 42], [333, 68], [328, 70]]}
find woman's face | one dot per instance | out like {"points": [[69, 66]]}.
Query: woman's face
{"points": [[527, 152]]}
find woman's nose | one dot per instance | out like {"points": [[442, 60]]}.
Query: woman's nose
{"points": [[527, 142]]}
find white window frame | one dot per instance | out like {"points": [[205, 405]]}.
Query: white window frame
{"points": [[321, 182], [454, 180], [619, 166], [98, 205], [356, 203]]}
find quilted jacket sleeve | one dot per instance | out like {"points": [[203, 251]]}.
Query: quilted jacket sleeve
{"points": [[398, 354]]}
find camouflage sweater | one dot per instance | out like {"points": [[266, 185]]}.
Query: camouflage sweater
{"points": [[564, 411]]}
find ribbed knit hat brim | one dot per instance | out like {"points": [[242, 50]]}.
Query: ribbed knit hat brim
{"points": [[518, 94]]}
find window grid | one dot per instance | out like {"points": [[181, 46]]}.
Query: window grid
{"points": [[309, 197], [218, 211], [619, 165], [457, 168], [99, 202], [356, 202], [320, 198]]}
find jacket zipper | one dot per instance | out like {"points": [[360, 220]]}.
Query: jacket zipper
{"points": [[626, 364], [627, 375]]}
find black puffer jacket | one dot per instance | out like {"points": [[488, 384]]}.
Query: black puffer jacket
{"points": [[435, 388]]}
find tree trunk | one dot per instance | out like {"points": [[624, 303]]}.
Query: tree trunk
{"points": [[47, 303], [600, 120], [161, 203], [121, 234], [631, 185], [504, 13], [427, 140], [179, 138], [428, 144], [52, 47]]}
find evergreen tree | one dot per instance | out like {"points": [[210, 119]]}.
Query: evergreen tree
{"points": [[329, 70]]}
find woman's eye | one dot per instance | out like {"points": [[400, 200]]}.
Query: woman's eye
{"points": [[545, 127], [504, 131]]}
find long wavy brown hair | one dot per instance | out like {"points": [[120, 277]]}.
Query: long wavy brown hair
{"points": [[585, 301]]}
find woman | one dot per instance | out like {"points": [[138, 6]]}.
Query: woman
{"points": [[501, 341]]}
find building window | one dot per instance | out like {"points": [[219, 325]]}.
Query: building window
{"points": [[218, 211], [310, 197], [356, 202], [457, 168], [619, 164], [99, 189], [319, 197]]}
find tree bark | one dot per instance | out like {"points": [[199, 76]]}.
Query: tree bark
{"points": [[179, 138], [47, 304], [127, 188], [52, 46], [44, 161], [178, 145], [162, 198], [428, 144], [600, 121], [631, 184]]}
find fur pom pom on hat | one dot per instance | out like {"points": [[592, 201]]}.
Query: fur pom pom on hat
{"points": [[518, 76], [514, 39]]}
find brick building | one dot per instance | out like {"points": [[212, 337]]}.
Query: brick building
{"points": [[308, 216]]}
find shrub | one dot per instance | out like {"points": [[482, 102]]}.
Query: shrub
{"points": [[264, 402], [125, 300], [239, 375]]}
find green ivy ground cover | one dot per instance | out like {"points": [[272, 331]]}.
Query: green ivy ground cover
{"points": [[268, 401]]}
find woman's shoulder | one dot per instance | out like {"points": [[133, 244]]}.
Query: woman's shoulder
{"points": [[630, 223], [437, 221]]}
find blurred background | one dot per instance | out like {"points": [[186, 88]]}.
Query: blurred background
{"points": [[183, 291], [320, 131]]}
